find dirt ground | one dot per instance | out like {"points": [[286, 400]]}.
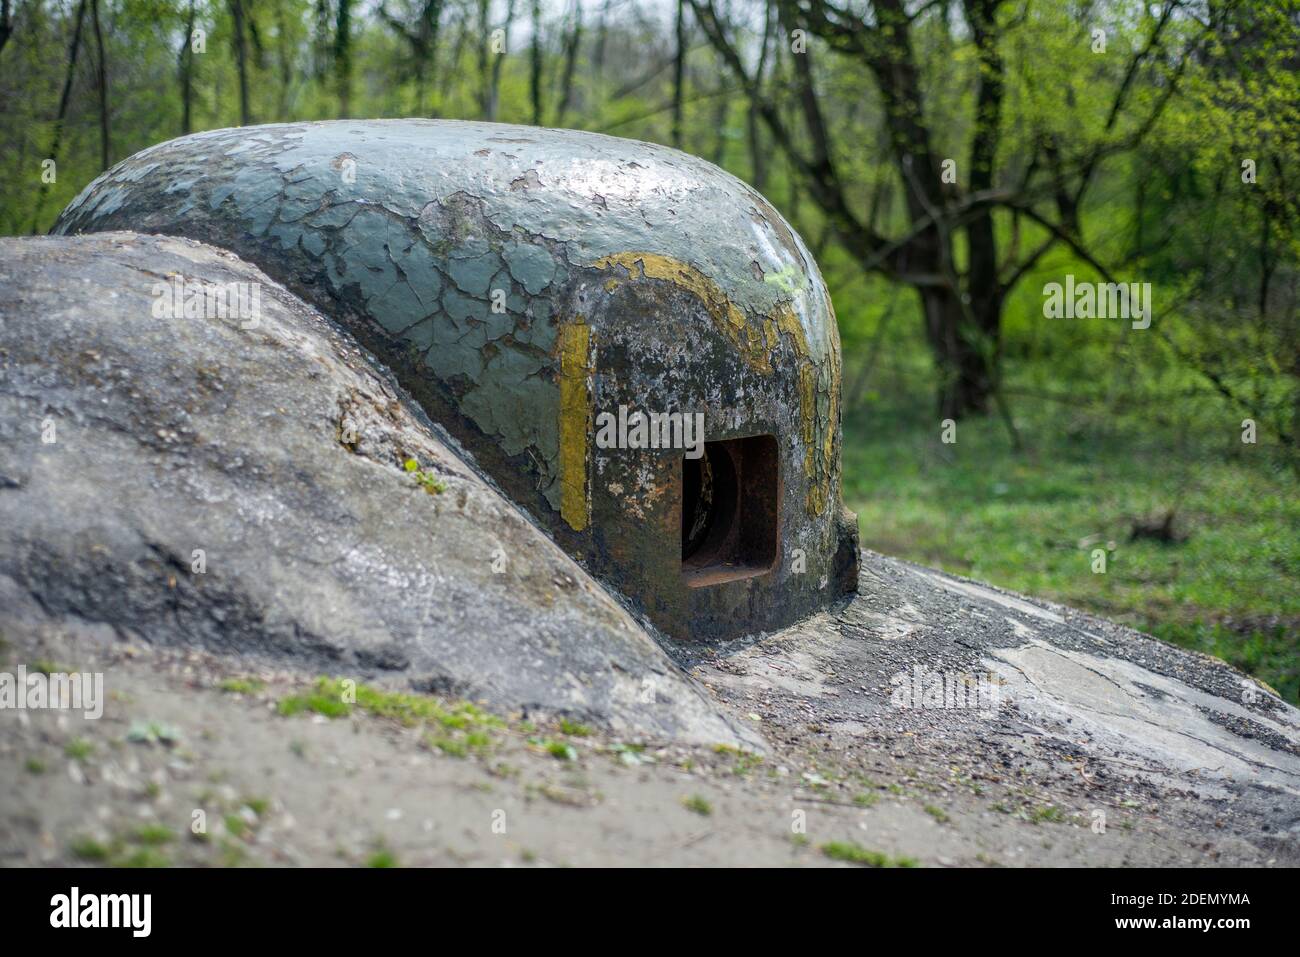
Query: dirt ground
{"points": [[186, 732]]}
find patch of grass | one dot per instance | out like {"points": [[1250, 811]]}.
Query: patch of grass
{"points": [[452, 747], [382, 858], [857, 854], [746, 761], [258, 806], [336, 697], [573, 728], [248, 686], [698, 805], [1047, 814], [143, 857], [938, 813], [47, 667], [865, 799], [78, 749], [34, 766], [459, 728], [141, 848], [154, 835], [1030, 521], [89, 849], [232, 854], [561, 751], [318, 702]]}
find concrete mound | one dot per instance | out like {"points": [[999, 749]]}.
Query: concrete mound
{"points": [[242, 485]]}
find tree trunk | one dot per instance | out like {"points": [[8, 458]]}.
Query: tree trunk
{"points": [[186, 62], [57, 139], [679, 74], [964, 343], [101, 81], [535, 74], [571, 46], [494, 97], [343, 57], [6, 22], [241, 59]]}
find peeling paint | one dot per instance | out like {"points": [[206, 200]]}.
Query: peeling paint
{"points": [[575, 422]]}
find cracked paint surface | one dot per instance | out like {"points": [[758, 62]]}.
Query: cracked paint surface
{"points": [[462, 254]]}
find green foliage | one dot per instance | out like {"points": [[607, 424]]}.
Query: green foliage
{"points": [[697, 805], [427, 479], [857, 854], [1032, 521]]}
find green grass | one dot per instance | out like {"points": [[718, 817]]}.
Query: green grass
{"points": [[89, 849], [697, 805], [248, 686], [1047, 814], [574, 729], [382, 859], [561, 751], [142, 848], [857, 854], [458, 728], [154, 835], [1031, 520], [938, 813]]}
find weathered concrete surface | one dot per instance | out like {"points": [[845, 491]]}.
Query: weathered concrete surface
{"points": [[519, 282], [278, 451], [1088, 716]]}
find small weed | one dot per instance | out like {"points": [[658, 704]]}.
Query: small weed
{"points": [[427, 479], [154, 835], [88, 849], [561, 751], [78, 749], [383, 857], [46, 667], [698, 805], [143, 857], [938, 813], [249, 686], [573, 728], [856, 854]]}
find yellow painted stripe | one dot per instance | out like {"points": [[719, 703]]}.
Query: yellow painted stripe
{"points": [[575, 422]]}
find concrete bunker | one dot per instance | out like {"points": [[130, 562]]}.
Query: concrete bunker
{"points": [[525, 284]]}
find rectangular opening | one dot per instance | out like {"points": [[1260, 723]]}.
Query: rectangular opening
{"points": [[731, 507]]}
